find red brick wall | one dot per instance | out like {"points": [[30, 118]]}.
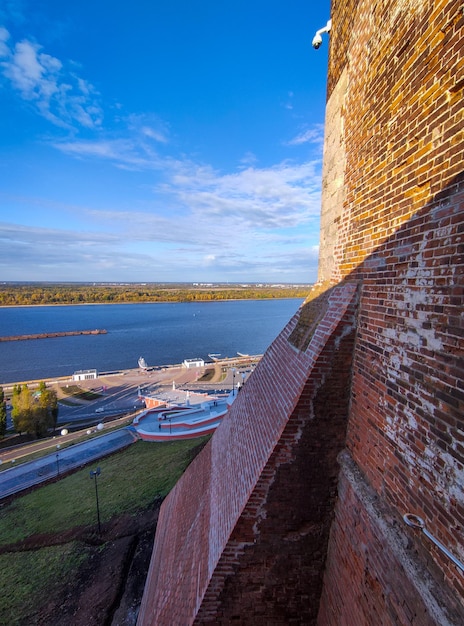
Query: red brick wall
{"points": [[377, 580], [401, 234], [271, 570]]}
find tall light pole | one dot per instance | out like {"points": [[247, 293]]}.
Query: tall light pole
{"points": [[233, 381], [94, 474], [57, 460]]}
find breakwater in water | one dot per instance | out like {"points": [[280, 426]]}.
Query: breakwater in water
{"points": [[67, 333]]}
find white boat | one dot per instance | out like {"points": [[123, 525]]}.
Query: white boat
{"points": [[142, 363], [214, 356]]}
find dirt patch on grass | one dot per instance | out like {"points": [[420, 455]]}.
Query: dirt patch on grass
{"points": [[108, 588]]}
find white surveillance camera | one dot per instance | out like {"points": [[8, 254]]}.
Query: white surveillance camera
{"points": [[317, 40]]}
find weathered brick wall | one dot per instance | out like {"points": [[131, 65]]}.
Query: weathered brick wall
{"points": [[333, 181], [400, 233], [378, 579]]}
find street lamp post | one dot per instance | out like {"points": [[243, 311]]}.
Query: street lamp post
{"points": [[94, 474], [233, 381], [57, 460]]}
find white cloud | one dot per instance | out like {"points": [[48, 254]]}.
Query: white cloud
{"points": [[283, 196], [127, 154], [286, 195], [40, 253], [4, 36], [310, 135], [148, 247], [61, 97], [248, 159], [153, 134], [196, 206], [148, 127]]}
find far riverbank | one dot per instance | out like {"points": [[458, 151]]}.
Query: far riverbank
{"points": [[56, 294]]}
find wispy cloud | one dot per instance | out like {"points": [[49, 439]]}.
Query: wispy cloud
{"points": [[313, 135], [75, 254], [147, 246], [59, 95], [288, 104], [149, 127], [125, 153], [285, 195], [282, 196], [250, 223]]}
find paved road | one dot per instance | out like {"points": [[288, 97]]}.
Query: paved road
{"points": [[35, 472], [120, 396]]}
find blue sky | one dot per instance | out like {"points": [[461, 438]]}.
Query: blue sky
{"points": [[153, 141]]}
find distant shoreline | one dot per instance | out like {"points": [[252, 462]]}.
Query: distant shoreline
{"points": [[55, 304], [57, 294]]}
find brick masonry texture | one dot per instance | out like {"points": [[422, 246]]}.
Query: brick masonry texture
{"points": [[378, 580], [400, 232], [264, 527]]}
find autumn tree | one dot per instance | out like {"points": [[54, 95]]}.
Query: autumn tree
{"points": [[47, 413], [34, 413], [21, 402], [2, 414]]}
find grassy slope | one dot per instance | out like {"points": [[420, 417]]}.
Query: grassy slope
{"points": [[129, 482]]}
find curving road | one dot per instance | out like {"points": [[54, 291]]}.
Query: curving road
{"points": [[26, 475]]}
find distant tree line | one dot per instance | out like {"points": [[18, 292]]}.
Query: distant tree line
{"points": [[19, 294]]}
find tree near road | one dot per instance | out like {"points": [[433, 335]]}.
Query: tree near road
{"points": [[2, 414], [34, 413], [48, 403]]}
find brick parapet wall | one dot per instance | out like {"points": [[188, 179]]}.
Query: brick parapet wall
{"points": [[180, 548], [271, 570], [195, 546]]}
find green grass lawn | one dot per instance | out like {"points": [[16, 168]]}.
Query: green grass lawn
{"points": [[129, 482], [28, 577]]}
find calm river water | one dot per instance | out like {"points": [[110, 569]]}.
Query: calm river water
{"points": [[162, 333]]}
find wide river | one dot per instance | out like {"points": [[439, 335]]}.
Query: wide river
{"points": [[162, 333]]}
